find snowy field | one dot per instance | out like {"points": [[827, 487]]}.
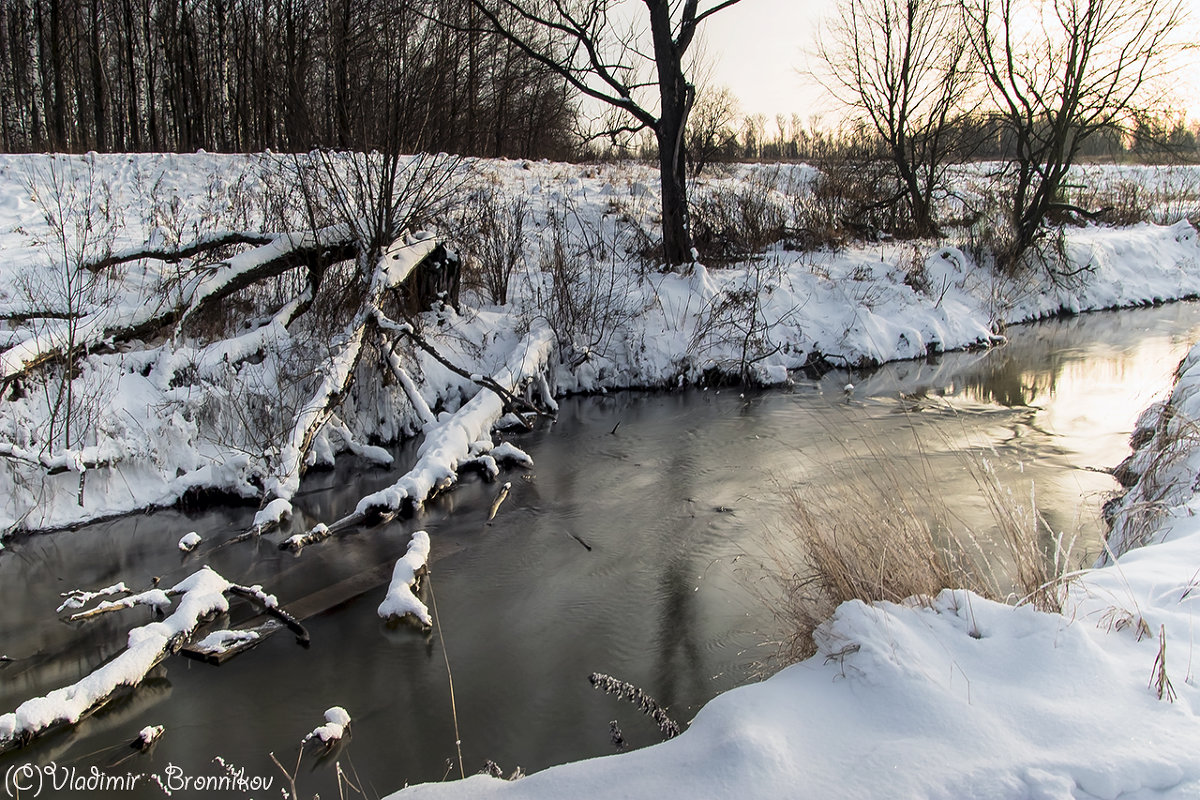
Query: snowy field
{"points": [[953, 696], [232, 396]]}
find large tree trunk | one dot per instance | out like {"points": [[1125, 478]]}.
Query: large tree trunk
{"points": [[677, 233], [677, 97], [33, 77]]}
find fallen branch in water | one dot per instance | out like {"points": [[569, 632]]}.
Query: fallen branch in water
{"points": [[201, 596], [448, 444], [401, 599], [500, 497]]}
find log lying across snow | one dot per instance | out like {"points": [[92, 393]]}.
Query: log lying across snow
{"points": [[162, 312], [115, 323], [449, 443], [200, 596]]}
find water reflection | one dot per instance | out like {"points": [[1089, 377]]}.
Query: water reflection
{"points": [[679, 630], [678, 507]]}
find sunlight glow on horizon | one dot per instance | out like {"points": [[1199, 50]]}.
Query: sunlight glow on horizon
{"points": [[760, 49]]}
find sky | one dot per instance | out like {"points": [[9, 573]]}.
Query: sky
{"points": [[759, 49]]}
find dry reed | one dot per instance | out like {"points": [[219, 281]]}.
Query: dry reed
{"points": [[885, 531]]}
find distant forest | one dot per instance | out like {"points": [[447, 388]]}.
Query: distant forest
{"points": [[246, 75], [407, 75]]}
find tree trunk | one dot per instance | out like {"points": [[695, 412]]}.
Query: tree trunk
{"points": [[58, 101], [677, 233], [9, 113], [677, 96], [100, 136], [33, 77]]}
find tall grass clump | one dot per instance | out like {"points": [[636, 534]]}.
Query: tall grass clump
{"points": [[1159, 475], [885, 530]]}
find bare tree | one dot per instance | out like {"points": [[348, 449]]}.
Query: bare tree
{"points": [[581, 41], [712, 132], [1059, 73], [900, 65]]}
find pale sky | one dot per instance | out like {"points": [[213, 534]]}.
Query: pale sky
{"points": [[761, 46]]}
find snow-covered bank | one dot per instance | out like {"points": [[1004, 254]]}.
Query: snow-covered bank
{"points": [[959, 696], [225, 403]]}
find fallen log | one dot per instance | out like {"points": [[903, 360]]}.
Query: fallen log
{"points": [[280, 253], [447, 445], [157, 599], [394, 266], [307, 606], [173, 255], [201, 595], [401, 599], [271, 607]]}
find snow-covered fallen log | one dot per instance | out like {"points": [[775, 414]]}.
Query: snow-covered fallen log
{"points": [[220, 642], [448, 444], [64, 461], [395, 265], [138, 317], [203, 244], [78, 598], [401, 599], [200, 596], [157, 599]]}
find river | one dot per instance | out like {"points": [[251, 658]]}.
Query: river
{"points": [[642, 544]]}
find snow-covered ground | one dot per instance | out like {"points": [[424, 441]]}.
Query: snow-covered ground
{"points": [[209, 405], [950, 697], [959, 696]]}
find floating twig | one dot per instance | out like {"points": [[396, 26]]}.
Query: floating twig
{"points": [[499, 499]]}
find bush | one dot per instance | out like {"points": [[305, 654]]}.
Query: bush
{"points": [[731, 222], [491, 238]]}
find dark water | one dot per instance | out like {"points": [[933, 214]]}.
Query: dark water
{"points": [[679, 497]]}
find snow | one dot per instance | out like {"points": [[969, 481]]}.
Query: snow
{"points": [[149, 735], [218, 642], [182, 415], [505, 452], [189, 542], [155, 598], [272, 513], [78, 598], [449, 443], [945, 697], [336, 721], [400, 600]]}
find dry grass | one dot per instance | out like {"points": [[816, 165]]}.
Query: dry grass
{"points": [[1160, 682], [885, 531], [1157, 477]]}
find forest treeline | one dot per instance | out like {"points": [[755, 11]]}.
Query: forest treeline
{"points": [[291, 75], [247, 75]]}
